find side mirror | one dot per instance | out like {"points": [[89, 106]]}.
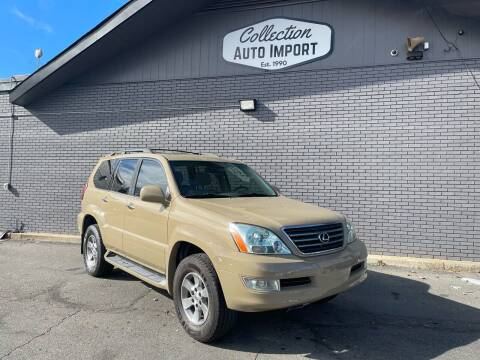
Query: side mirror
{"points": [[153, 194]]}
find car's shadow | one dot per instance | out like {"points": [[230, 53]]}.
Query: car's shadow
{"points": [[121, 275], [387, 317]]}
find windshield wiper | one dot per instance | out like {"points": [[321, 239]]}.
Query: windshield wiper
{"points": [[207, 196], [255, 195], [212, 196]]}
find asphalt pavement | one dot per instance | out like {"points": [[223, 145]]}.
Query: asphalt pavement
{"points": [[51, 309]]}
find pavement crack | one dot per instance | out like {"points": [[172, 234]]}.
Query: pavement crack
{"points": [[46, 332], [138, 299], [126, 308]]}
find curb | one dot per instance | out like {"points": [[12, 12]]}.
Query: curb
{"points": [[46, 237], [373, 260], [423, 263]]}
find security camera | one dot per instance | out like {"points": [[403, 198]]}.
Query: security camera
{"points": [[416, 46]]}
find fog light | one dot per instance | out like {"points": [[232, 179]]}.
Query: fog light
{"points": [[262, 284]]}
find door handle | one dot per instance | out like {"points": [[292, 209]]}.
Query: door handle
{"points": [[105, 199], [130, 206]]}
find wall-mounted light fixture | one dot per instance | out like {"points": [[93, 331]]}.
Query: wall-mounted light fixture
{"points": [[416, 46], [248, 105]]}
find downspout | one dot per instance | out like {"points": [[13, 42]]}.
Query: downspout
{"points": [[7, 186]]}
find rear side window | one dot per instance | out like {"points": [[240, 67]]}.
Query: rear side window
{"points": [[104, 175], [151, 173], [122, 181]]}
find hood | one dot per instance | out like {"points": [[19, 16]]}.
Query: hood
{"points": [[270, 212]]}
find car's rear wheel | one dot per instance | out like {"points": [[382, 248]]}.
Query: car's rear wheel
{"points": [[94, 251], [199, 300]]}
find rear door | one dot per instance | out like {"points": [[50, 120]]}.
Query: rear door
{"points": [[102, 200], [116, 202], [146, 223]]}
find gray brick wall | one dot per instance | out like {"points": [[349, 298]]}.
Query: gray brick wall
{"points": [[396, 148]]}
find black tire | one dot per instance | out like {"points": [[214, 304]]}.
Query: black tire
{"points": [[220, 319], [101, 267]]}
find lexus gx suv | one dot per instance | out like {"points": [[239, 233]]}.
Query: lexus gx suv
{"points": [[215, 235]]}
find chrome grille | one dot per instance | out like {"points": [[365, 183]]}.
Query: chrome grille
{"points": [[312, 239]]}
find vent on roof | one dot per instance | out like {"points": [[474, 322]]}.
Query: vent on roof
{"points": [[248, 4]]}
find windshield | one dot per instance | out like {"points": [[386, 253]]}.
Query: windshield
{"points": [[211, 179]]}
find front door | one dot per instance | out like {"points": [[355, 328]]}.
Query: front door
{"points": [[146, 223]]}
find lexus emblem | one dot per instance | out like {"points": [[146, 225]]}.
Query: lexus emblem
{"points": [[324, 238]]}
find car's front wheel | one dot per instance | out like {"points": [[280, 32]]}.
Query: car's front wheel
{"points": [[199, 300], [93, 252]]}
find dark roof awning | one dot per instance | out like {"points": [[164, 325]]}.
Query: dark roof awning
{"points": [[136, 20], [128, 25], [465, 8]]}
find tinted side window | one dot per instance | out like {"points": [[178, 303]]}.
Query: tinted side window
{"points": [[151, 173], [104, 175], [122, 180]]}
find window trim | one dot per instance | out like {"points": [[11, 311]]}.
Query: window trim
{"points": [[97, 169], [137, 172]]}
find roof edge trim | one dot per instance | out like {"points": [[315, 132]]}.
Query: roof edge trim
{"points": [[90, 38]]}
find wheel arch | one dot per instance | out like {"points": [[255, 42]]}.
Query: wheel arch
{"points": [[180, 250], [87, 221]]}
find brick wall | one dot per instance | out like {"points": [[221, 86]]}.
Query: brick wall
{"points": [[395, 148]]}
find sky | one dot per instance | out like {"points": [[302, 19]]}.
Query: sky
{"points": [[51, 25]]}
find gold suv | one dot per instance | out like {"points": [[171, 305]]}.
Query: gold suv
{"points": [[215, 235]]}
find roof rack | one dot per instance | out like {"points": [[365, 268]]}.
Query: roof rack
{"points": [[175, 150], [130, 151], [133, 151]]}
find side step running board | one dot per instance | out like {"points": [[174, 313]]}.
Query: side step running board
{"points": [[135, 269]]}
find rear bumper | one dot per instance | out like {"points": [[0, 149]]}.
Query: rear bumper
{"points": [[329, 275]]}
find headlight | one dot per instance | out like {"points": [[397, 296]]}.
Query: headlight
{"points": [[257, 240], [351, 232]]}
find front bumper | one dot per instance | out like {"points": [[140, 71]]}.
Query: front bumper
{"points": [[329, 275]]}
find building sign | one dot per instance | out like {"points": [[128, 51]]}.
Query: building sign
{"points": [[278, 43]]}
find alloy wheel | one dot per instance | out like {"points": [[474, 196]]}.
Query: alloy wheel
{"points": [[91, 253], [194, 296]]}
